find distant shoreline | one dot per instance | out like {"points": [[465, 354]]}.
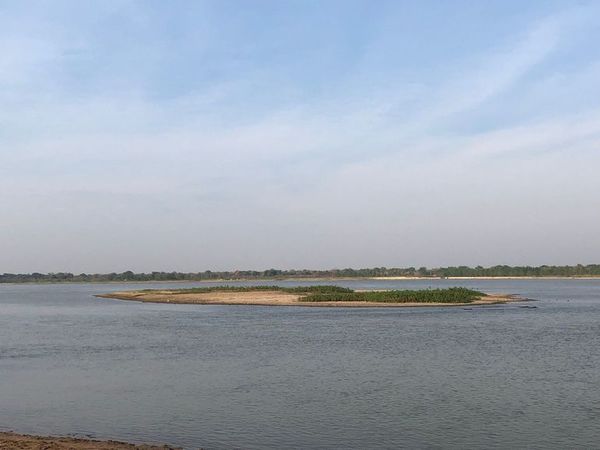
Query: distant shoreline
{"points": [[297, 279], [590, 277]]}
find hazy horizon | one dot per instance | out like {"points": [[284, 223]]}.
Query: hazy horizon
{"points": [[322, 272], [219, 135]]}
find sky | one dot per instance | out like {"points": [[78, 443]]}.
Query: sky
{"points": [[224, 135]]}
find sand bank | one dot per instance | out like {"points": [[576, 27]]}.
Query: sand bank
{"points": [[10, 440], [275, 298]]}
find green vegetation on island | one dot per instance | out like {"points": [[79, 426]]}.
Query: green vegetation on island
{"points": [[329, 293], [450, 295], [317, 289]]}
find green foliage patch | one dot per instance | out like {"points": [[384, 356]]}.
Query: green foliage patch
{"points": [[325, 289], [329, 293], [450, 295]]}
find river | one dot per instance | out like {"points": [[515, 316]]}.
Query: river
{"points": [[292, 377]]}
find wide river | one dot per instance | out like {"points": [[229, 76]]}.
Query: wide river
{"points": [[292, 377]]}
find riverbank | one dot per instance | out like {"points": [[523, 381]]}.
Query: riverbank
{"points": [[301, 279], [9, 440], [283, 298]]}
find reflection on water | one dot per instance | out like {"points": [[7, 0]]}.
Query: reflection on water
{"points": [[268, 377]]}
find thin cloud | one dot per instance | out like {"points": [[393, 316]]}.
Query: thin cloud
{"points": [[293, 171]]}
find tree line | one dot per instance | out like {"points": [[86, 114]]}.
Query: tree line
{"points": [[578, 270]]}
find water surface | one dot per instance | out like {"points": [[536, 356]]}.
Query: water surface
{"points": [[217, 376]]}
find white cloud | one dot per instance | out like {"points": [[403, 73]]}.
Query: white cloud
{"points": [[363, 176]]}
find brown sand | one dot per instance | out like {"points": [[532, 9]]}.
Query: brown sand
{"points": [[274, 298], [26, 442]]}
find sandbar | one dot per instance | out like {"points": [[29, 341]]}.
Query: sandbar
{"points": [[278, 298]]}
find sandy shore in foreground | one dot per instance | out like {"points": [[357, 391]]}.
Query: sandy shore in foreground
{"points": [[274, 298], [10, 440]]}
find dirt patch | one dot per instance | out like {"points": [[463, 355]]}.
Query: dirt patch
{"points": [[20, 441]]}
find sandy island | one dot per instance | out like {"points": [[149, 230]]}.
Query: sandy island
{"points": [[10, 440], [277, 298]]}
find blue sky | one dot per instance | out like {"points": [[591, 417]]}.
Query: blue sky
{"points": [[191, 135]]}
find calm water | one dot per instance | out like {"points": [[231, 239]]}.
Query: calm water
{"points": [[268, 377]]}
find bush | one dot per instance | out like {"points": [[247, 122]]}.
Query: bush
{"points": [[451, 295], [329, 293], [325, 289]]}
